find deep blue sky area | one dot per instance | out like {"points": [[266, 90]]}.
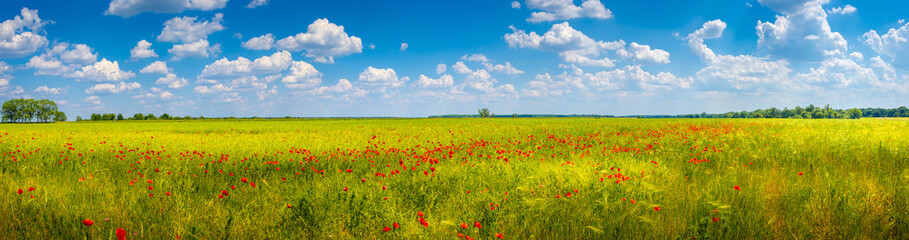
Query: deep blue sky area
{"points": [[322, 58]]}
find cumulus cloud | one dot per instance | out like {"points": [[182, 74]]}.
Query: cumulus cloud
{"points": [[129, 8], [576, 47], [4, 78], [47, 65], [256, 3], [302, 75], [630, 77], [843, 10], [92, 100], [838, 72], [728, 72], [113, 88], [264, 42], [155, 93], [172, 81], [380, 77], [156, 67], [142, 50], [441, 68], [461, 68], [544, 85], [103, 70], [801, 33], [343, 89], [506, 68], [80, 54], [515, 5], [323, 41], [475, 58], [274, 63], [640, 53], [427, 82], [199, 48], [553, 10], [892, 44], [49, 90], [404, 46], [19, 36], [188, 29]]}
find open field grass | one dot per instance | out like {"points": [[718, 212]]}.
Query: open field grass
{"points": [[515, 178]]}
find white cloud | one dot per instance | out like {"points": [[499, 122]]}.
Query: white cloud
{"points": [[4, 78], [544, 85], [156, 93], [47, 65], [93, 100], [404, 46], [572, 45], [344, 88], [553, 10], [843, 10], [728, 72], [461, 68], [507, 68], [323, 41], [516, 5], [256, 3], [380, 77], [15, 41], [113, 88], [475, 58], [839, 73], [129, 8], [443, 81], [156, 67], [892, 44], [187, 29], [103, 70], [217, 88], [302, 75], [801, 33], [194, 49], [80, 54], [640, 53], [49, 90], [857, 56], [277, 62], [142, 50], [172, 81], [441, 68], [630, 77], [264, 42]]}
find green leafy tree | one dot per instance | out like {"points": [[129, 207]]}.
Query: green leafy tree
{"points": [[139, 116], [484, 113], [854, 113], [119, 117]]}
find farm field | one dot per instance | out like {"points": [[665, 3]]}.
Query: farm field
{"points": [[555, 178]]}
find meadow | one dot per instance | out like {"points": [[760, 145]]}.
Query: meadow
{"points": [[536, 178]]}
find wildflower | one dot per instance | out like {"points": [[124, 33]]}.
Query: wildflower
{"points": [[736, 187], [396, 225], [224, 192], [386, 229], [477, 225], [345, 189], [463, 225], [657, 208], [121, 234], [87, 222]]}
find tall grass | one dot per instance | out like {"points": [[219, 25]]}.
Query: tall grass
{"points": [[852, 185]]}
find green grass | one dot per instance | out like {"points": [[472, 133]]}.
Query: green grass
{"points": [[854, 182]]}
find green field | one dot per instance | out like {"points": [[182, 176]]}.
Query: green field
{"points": [[566, 178]]}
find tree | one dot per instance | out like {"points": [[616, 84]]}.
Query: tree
{"points": [[119, 117], [150, 117], [59, 116], [164, 117], [78, 118], [484, 113], [854, 113], [139, 116]]}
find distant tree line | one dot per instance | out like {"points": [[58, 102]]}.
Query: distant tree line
{"points": [[810, 112], [26, 110], [137, 116]]}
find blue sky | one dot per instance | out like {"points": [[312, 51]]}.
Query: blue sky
{"points": [[324, 58]]}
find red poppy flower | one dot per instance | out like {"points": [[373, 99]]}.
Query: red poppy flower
{"points": [[737, 187], [31, 189], [386, 229], [463, 225], [288, 205], [423, 221], [419, 213], [499, 236], [477, 225], [396, 225], [121, 234], [716, 219], [20, 191], [349, 170], [800, 173], [224, 192], [345, 189], [657, 208], [88, 222]]}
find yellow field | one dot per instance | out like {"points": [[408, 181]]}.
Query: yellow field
{"points": [[560, 178]]}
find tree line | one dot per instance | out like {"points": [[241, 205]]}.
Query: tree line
{"points": [[809, 112], [27, 110], [137, 116]]}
